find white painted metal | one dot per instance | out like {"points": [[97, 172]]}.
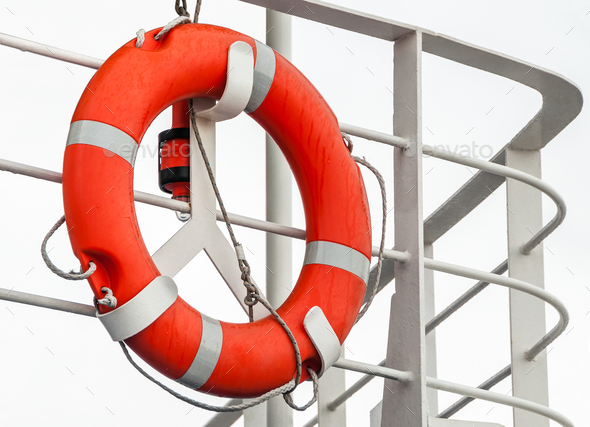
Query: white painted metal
{"points": [[238, 86], [177, 205], [562, 99], [502, 399], [49, 51], [331, 385], [527, 314], [463, 299], [323, 337], [486, 385], [471, 194], [47, 302], [375, 415], [201, 231], [32, 171], [405, 405], [478, 393], [140, 311], [528, 245], [519, 285], [372, 135], [440, 422], [353, 389], [378, 370], [225, 419], [255, 416], [430, 339], [279, 251], [312, 422]]}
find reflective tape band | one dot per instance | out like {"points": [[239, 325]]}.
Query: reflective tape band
{"points": [[207, 356], [264, 74], [337, 255], [142, 310], [113, 141]]}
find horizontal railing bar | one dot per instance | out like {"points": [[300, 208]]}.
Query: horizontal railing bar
{"points": [[226, 419], [508, 172], [463, 299], [486, 385], [512, 283], [177, 205], [480, 392], [373, 135], [49, 51], [31, 171], [244, 221], [352, 390], [502, 399], [378, 370], [392, 254], [47, 302], [312, 422]]}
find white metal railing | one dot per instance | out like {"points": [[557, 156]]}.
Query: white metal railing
{"points": [[64, 55], [533, 181], [375, 370]]}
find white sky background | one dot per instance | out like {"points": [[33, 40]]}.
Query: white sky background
{"points": [[62, 369]]}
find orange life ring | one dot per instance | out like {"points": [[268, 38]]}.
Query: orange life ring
{"points": [[126, 94]]}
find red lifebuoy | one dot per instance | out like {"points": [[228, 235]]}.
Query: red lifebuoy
{"points": [[125, 95]]}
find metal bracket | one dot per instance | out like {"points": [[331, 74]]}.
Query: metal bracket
{"points": [[238, 88], [323, 337], [201, 231]]}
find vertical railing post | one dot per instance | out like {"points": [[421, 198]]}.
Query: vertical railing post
{"points": [[405, 404], [331, 386], [430, 339], [278, 209], [527, 313]]}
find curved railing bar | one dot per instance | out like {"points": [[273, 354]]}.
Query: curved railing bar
{"points": [[512, 283], [463, 299], [502, 399], [508, 172], [486, 385]]}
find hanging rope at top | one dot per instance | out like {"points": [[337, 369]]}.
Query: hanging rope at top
{"points": [[183, 11]]}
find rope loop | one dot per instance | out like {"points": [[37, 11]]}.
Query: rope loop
{"points": [[174, 23], [68, 276], [347, 141], [109, 299], [286, 388], [289, 396], [140, 38], [365, 163]]}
